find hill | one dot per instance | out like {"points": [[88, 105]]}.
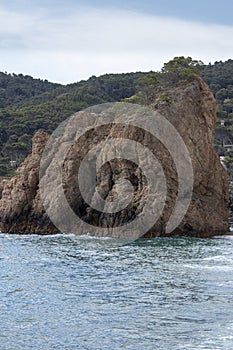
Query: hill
{"points": [[16, 88], [220, 79]]}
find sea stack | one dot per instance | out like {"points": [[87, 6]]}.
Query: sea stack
{"points": [[191, 108]]}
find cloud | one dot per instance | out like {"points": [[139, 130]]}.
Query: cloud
{"points": [[89, 41]]}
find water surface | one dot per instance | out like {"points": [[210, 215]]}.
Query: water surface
{"points": [[70, 292]]}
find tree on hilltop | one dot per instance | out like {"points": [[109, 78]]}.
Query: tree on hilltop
{"points": [[178, 70], [181, 69]]}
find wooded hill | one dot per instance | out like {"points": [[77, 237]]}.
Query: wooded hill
{"points": [[28, 104]]}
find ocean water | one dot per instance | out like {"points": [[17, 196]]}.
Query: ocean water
{"points": [[70, 292]]}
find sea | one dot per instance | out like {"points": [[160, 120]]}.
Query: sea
{"points": [[79, 292]]}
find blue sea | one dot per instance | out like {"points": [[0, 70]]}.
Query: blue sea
{"points": [[78, 292]]}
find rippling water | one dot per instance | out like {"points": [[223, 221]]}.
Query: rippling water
{"points": [[69, 292]]}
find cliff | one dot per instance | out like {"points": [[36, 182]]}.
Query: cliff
{"points": [[231, 204], [20, 205], [191, 109]]}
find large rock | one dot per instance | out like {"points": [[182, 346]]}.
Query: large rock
{"points": [[21, 209], [192, 110]]}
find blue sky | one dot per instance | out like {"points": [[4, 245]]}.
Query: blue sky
{"points": [[65, 41], [211, 11], [199, 10]]}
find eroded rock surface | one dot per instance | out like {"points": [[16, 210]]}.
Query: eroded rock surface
{"points": [[21, 209], [231, 204], [192, 110]]}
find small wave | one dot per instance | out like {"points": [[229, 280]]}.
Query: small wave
{"points": [[217, 258], [57, 235], [228, 237], [89, 236], [207, 267]]}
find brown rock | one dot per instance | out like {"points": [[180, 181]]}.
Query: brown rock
{"points": [[21, 210], [231, 203], [3, 182], [192, 110]]}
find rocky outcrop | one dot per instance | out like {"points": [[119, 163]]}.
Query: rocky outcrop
{"points": [[3, 181], [231, 204], [21, 210], [192, 110]]}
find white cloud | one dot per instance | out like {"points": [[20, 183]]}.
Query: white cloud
{"points": [[92, 42]]}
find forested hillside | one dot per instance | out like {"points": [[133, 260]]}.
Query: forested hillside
{"points": [[220, 79], [16, 88], [19, 121], [28, 104]]}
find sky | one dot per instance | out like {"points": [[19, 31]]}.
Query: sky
{"points": [[66, 41]]}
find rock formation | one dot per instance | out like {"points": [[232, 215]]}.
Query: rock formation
{"points": [[191, 108], [231, 204], [21, 208]]}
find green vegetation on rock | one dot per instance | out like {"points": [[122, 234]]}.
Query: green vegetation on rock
{"points": [[178, 71]]}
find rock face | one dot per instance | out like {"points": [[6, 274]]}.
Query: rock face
{"points": [[192, 111], [231, 204], [20, 205], [3, 182]]}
